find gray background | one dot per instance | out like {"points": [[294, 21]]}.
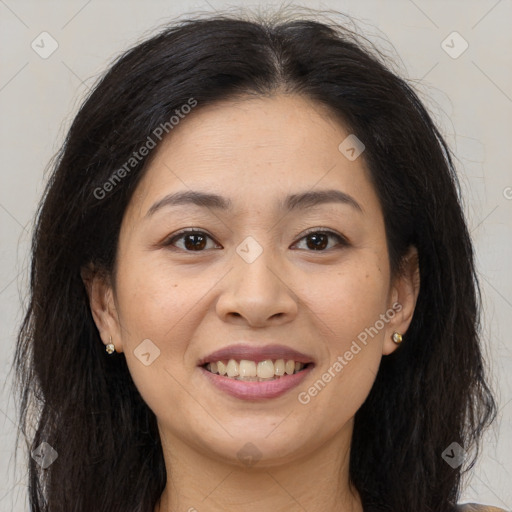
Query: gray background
{"points": [[470, 97]]}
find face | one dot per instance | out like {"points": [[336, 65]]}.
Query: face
{"points": [[264, 273]]}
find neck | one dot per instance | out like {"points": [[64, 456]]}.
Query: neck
{"points": [[316, 482]]}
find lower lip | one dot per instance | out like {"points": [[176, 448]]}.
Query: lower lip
{"points": [[256, 390]]}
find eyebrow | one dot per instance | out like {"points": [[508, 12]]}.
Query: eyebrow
{"points": [[292, 202]]}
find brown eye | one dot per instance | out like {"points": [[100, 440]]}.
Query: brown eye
{"points": [[193, 241], [319, 240]]}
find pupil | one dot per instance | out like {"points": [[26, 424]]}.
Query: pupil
{"points": [[198, 244], [317, 243]]}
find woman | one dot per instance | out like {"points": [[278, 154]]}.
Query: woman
{"points": [[252, 286]]}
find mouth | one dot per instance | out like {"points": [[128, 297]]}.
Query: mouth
{"points": [[251, 373]]}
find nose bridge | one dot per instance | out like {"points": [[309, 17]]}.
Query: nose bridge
{"points": [[256, 290], [255, 265]]}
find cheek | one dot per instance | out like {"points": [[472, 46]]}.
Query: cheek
{"points": [[157, 305], [355, 302], [348, 303], [347, 299], [153, 298]]}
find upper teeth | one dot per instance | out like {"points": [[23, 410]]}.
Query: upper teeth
{"points": [[243, 369]]}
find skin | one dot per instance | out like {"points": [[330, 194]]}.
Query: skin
{"points": [[254, 151]]}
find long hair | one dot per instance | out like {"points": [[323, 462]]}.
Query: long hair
{"points": [[430, 393]]}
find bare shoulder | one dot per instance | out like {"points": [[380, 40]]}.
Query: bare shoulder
{"points": [[475, 507]]}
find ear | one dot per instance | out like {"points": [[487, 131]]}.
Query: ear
{"points": [[403, 296], [101, 300]]}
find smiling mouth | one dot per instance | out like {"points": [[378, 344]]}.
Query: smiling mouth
{"points": [[252, 371]]}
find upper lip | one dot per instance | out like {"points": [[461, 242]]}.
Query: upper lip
{"points": [[256, 354]]}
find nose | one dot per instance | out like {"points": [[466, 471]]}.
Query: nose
{"points": [[257, 293]]}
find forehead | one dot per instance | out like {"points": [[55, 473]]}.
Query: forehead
{"points": [[255, 149]]}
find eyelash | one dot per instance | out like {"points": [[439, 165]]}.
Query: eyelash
{"points": [[342, 241]]}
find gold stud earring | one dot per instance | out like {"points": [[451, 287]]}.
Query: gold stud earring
{"points": [[110, 348], [397, 337]]}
